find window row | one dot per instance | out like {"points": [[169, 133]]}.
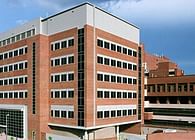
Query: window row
{"points": [[115, 94], [13, 80], [114, 78], [14, 66], [116, 63], [13, 53], [171, 87], [65, 43], [116, 47], [18, 37], [62, 77], [62, 60], [62, 93], [116, 113], [62, 114], [13, 94]]}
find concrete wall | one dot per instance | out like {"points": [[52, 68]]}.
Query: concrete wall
{"points": [[172, 136]]}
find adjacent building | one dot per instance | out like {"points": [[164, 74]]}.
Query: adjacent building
{"points": [[169, 95], [74, 75]]}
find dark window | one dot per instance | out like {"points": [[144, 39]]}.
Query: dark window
{"points": [[5, 68], [5, 55], [129, 52], [129, 95], [52, 48], [71, 59], [16, 53], [15, 80], [71, 94], [10, 67], [134, 67], [134, 81], [21, 80], [63, 77], [100, 43], [134, 111], [70, 114], [129, 81], [57, 94], [106, 114], [1, 57], [124, 94], [1, 82], [129, 112], [118, 64], [106, 78], [113, 63], [124, 65], [57, 62], [21, 66], [124, 80], [52, 92], [100, 94], [134, 53], [57, 78], [5, 82], [100, 114], [63, 114], [100, 60], [113, 94], [106, 45], [25, 79], [26, 64], [106, 94], [70, 76], [130, 66], [100, 77], [1, 69], [118, 94], [118, 79], [124, 50], [106, 61], [113, 78], [57, 113], [15, 66], [10, 54], [63, 94], [26, 50], [21, 95], [113, 47], [5, 95], [71, 42], [124, 112], [15, 94], [113, 113], [10, 81], [57, 46], [119, 49], [118, 113], [134, 95], [23, 35], [10, 95], [21, 51], [63, 61], [63, 44]]}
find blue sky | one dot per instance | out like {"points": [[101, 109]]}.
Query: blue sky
{"points": [[167, 26]]}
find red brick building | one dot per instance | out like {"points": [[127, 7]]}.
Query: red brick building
{"points": [[169, 95], [73, 75]]}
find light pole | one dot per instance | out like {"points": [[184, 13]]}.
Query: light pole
{"points": [[7, 115]]}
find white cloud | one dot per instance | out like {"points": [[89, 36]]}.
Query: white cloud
{"points": [[154, 11], [21, 21]]}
